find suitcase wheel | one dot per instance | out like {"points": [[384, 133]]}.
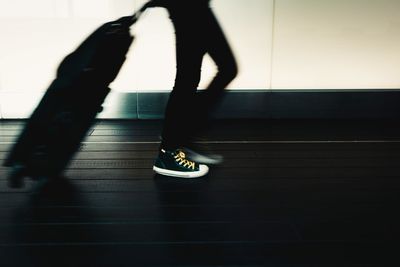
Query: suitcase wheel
{"points": [[16, 176]]}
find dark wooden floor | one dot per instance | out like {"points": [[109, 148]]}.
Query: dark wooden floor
{"points": [[290, 193]]}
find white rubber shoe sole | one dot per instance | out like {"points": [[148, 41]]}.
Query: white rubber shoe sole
{"points": [[203, 170]]}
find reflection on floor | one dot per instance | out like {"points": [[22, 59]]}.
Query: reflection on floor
{"points": [[290, 193]]}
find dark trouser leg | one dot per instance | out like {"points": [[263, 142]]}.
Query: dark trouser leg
{"points": [[187, 112], [219, 50], [180, 107]]}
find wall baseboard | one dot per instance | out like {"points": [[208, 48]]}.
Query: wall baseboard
{"points": [[291, 104], [241, 104]]}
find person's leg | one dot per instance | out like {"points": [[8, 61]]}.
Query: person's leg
{"points": [[221, 53], [217, 46], [171, 160], [180, 108]]}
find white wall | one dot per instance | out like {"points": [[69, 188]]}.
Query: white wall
{"points": [[36, 35], [342, 44], [247, 24]]}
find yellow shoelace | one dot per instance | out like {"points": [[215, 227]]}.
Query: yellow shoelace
{"points": [[181, 159]]}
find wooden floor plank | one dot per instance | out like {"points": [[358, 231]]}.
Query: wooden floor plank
{"points": [[380, 155], [322, 254]]}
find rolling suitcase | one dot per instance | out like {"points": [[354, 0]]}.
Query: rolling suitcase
{"points": [[70, 105]]}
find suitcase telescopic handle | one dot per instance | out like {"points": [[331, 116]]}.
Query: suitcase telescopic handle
{"points": [[128, 21], [138, 13]]}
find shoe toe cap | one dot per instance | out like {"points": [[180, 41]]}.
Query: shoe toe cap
{"points": [[203, 169]]}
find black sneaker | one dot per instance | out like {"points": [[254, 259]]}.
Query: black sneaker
{"points": [[202, 158], [175, 163]]}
